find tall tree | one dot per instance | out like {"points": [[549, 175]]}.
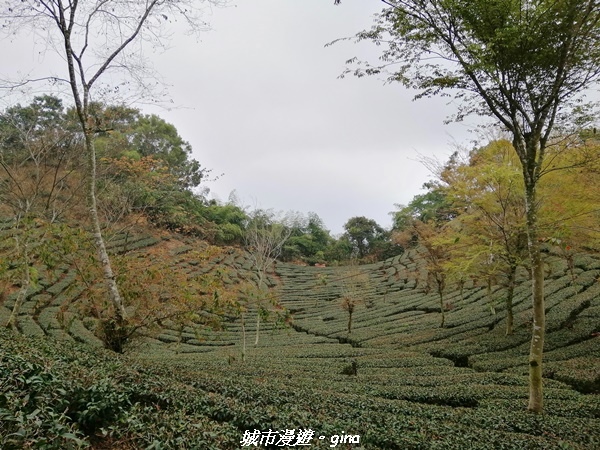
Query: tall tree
{"points": [[265, 238], [364, 234], [97, 40], [308, 240], [432, 243], [524, 63], [137, 135], [491, 239]]}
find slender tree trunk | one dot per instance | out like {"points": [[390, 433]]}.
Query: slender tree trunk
{"points": [[257, 328], [440, 281], [243, 338], [537, 275], [509, 299], [350, 321], [260, 284], [25, 283], [109, 277], [571, 266], [489, 296], [82, 106], [442, 309]]}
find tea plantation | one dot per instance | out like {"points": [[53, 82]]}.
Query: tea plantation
{"points": [[395, 381]]}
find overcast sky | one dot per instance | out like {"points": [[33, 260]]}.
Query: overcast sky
{"points": [[259, 100]]}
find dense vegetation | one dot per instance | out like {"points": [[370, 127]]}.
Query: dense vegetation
{"points": [[128, 320], [146, 172], [414, 385], [259, 344]]}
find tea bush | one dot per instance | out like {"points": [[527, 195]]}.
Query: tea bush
{"points": [[416, 385]]}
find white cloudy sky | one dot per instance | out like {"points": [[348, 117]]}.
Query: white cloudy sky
{"points": [[260, 101]]}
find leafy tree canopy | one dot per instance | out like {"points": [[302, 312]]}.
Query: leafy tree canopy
{"points": [[127, 132], [364, 234], [20, 125], [433, 205], [309, 240]]}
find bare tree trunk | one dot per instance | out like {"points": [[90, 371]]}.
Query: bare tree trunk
{"points": [[442, 309], [509, 299], [260, 286], [489, 295], [440, 281], [349, 322], [257, 328], [25, 283], [537, 271], [82, 107], [243, 338], [109, 277]]}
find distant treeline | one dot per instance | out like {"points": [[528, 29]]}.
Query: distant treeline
{"points": [[146, 172]]}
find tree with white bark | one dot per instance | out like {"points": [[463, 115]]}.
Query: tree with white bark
{"points": [[101, 43], [526, 64], [264, 241]]}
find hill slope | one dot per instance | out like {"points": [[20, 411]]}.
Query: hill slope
{"points": [[396, 380]]}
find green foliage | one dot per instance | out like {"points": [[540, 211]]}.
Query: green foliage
{"points": [[368, 240], [525, 64], [434, 205], [129, 133], [363, 233], [350, 369], [33, 401], [98, 405], [22, 125], [309, 241], [144, 167], [69, 397], [339, 251], [229, 222], [415, 386]]}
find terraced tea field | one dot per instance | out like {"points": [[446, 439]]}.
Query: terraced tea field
{"points": [[397, 380]]}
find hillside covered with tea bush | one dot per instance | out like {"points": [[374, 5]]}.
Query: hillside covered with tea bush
{"points": [[397, 379], [138, 313], [232, 325]]}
